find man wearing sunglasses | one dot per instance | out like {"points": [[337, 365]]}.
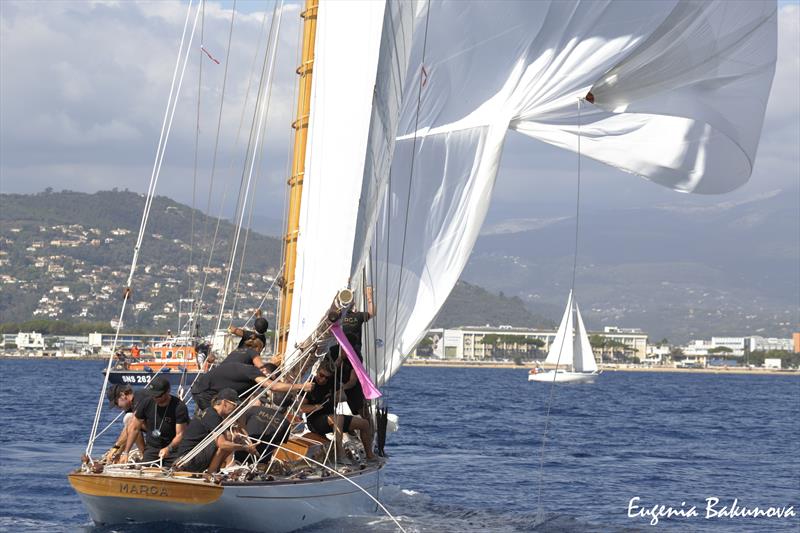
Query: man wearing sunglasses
{"points": [[163, 418]]}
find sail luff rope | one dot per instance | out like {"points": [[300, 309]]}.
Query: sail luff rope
{"points": [[190, 279], [262, 112], [286, 190], [540, 511], [162, 144], [410, 186]]}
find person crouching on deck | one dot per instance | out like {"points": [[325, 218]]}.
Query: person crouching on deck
{"points": [[320, 406], [217, 452], [124, 398], [163, 417]]}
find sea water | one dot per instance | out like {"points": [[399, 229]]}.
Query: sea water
{"points": [[620, 453]]}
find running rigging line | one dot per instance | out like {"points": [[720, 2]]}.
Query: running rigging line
{"points": [[166, 127], [540, 511], [262, 113]]}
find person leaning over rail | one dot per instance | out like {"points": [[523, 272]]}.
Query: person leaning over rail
{"points": [[249, 354], [163, 417], [320, 407], [239, 377], [217, 452], [260, 325], [267, 422], [123, 397]]}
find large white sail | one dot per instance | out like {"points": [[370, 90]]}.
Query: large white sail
{"points": [[348, 39], [680, 90], [584, 360], [560, 352]]}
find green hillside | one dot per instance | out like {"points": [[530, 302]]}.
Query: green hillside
{"points": [[65, 257]]}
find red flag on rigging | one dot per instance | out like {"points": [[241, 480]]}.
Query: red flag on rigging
{"points": [[203, 48]]}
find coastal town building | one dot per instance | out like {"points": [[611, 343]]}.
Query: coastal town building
{"points": [[736, 347], [487, 342]]}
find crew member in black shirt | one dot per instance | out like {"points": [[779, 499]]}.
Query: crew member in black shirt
{"points": [[320, 406], [239, 377], [260, 325], [249, 354], [267, 423], [353, 322], [123, 397], [163, 417], [215, 453]]}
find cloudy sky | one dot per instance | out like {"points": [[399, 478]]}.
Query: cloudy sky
{"points": [[83, 87]]}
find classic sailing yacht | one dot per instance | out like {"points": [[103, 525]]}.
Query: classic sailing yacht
{"points": [[399, 135], [571, 349]]}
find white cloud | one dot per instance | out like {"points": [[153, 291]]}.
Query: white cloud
{"points": [[83, 88]]}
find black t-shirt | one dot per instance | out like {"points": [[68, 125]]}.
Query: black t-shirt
{"points": [[352, 325], [162, 418], [199, 428], [247, 334], [237, 376], [138, 396], [264, 421], [241, 355], [322, 394]]}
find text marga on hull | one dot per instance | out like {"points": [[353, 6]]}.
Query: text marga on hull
{"points": [[282, 505]]}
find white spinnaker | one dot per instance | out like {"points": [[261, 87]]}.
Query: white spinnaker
{"points": [[561, 349], [348, 39], [680, 91], [583, 358]]}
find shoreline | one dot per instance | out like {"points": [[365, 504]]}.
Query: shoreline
{"points": [[496, 364], [528, 366]]}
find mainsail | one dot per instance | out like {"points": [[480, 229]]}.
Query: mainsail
{"points": [[679, 91], [360, 46], [560, 352]]}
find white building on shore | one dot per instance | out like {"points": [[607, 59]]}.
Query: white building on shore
{"points": [[484, 343]]}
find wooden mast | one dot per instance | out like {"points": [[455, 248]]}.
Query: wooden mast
{"points": [[300, 125]]}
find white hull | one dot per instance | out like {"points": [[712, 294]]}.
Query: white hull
{"points": [[562, 376], [272, 507]]}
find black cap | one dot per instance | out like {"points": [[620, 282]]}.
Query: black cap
{"points": [[261, 325], [228, 394], [158, 387], [115, 391]]}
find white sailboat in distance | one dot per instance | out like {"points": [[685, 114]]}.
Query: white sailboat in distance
{"points": [[570, 349]]}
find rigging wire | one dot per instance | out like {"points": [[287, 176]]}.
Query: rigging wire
{"points": [[189, 269], [267, 85], [551, 396], [166, 127], [199, 300], [410, 186]]}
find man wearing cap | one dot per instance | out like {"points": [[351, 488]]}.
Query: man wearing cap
{"points": [[123, 397], [321, 418], [267, 422], [215, 453], [239, 377], [163, 417], [260, 325]]}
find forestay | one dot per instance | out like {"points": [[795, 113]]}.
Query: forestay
{"points": [[679, 92]]}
